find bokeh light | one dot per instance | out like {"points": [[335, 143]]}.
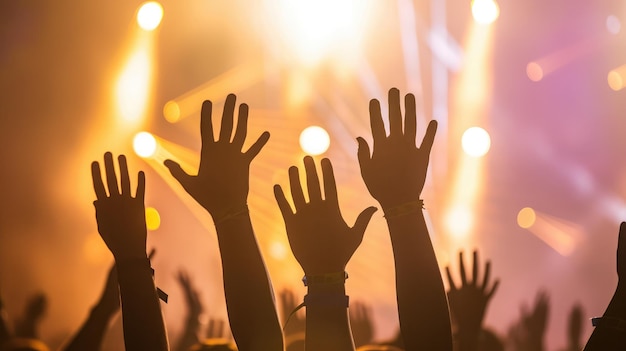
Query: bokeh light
{"points": [[171, 111], [534, 71], [150, 15], [526, 217], [278, 251], [314, 140], [476, 142], [144, 144], [153, 218], [616, 81], [613, 24], [459, 221], [485, 11]]}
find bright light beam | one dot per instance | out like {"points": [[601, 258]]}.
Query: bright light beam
{"points": [[543, 66], [232, 81]]}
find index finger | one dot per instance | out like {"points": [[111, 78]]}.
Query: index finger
{"points": [[429, 137], [98, 185]]}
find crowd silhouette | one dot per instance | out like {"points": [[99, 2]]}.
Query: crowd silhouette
{"points": [[394, 169]]}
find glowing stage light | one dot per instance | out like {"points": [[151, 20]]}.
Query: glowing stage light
{"points": [[314, 140], [476, 142], [132, 89], [459, 221], [526, 217], [278, 251], [485, 11], [150, 15], [616, 81], [144, 144], [153, 218], [613, 24], [534, 71], [171, 111]]}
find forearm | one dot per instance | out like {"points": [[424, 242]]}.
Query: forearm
{"points": [[249, 297], [141, 313], [91, 333], [190, 334], [422, 303], [327, 321], [607, 337]]}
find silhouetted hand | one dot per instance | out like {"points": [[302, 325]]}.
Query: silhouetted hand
{"points": [[468, 302], [294, 324], [36, 307], [396, 171], [222, 183], [575, 329], [192, 297], [121, 217], [319, 237], [528, 334], [361, 324]]}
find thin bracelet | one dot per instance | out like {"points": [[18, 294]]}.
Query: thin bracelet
{"points": [[231, 214], [404, 209]]}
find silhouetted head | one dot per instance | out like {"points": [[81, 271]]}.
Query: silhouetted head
{"points": [[23, 344], [214, 344]]}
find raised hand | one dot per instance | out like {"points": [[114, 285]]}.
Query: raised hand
{"points": [[36, 308], [121, 217], [192, 297], [528, 334], [222, 183], [575, 329], [319, 237], [396, 171], [468, 302]]}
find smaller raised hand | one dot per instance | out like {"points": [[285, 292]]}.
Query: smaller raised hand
{"points": [[35, 310], [192, 297], [319, 237], [361, 324], [528, 334], [468, 302], [222, 183], [294, 324], [120, 216], [574, 329]]}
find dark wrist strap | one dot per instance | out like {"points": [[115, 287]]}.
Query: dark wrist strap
{"points": [[609, 322], [325, 279]]}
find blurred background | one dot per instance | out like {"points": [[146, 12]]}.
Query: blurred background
{"points": [[527, 165]]}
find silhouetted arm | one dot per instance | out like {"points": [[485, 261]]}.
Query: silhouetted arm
{"points": [[122, 226], [610, 334], [221, 187], [91, 333], [322, 243], [468, 303], [35, 309], [189, 336], [395, 175], [575, 328]]}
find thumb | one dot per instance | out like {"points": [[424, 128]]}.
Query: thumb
{"points": [[177, 172], [363, 220]]}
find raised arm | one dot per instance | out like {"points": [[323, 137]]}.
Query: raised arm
{"points": [[322, 243], [610, 331], [191, 328], [221, 187], [91, 333], [395, 174], [468, 303], [122, 225], [27, 326]]}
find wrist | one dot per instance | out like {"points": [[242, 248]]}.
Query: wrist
{"points": [[402, 209]]}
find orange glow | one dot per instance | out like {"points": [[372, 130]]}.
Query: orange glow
{"points": [[153, 218], [616, 78], [526, 217]]}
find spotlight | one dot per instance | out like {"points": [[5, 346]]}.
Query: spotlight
{"points": [[314, 140], [485, 11], [534, 71], [476, 142], [616, 81], [153, 218], [144, 144], [150, 15], [526, 217]]}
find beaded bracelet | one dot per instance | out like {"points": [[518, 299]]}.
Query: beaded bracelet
{"points": [[325, 279]]}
